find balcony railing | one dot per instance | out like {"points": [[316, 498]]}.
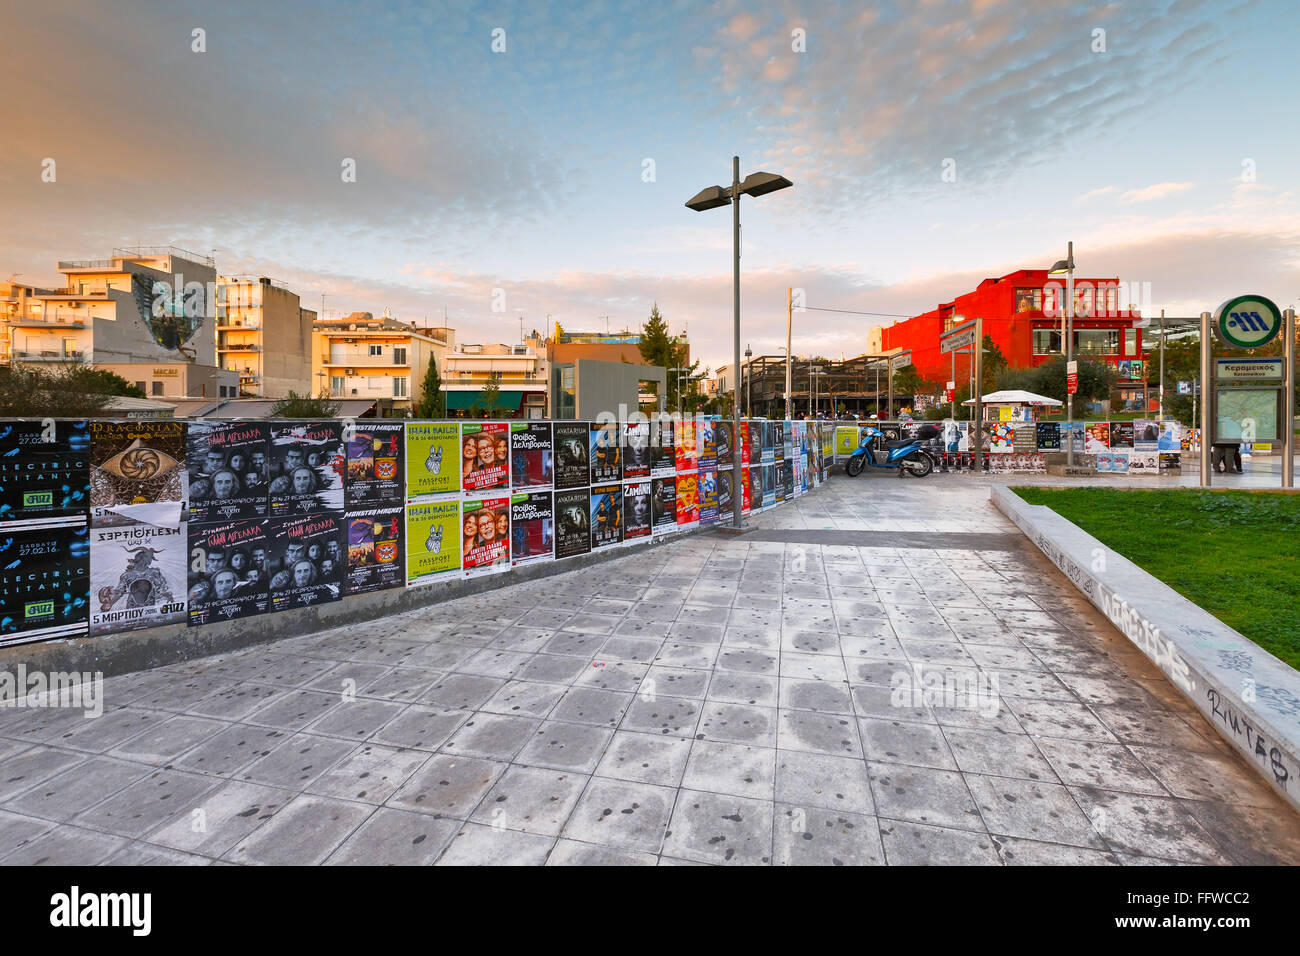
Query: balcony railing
{"points": [[49, 355], [239, 347]]}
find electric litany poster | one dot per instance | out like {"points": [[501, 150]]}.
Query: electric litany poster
{"points": [[532, 527], [606, 515], [433, 453], [228, 465], [44, 470], [307, 468], [636, 510], [572, 523], [308, 563], [571, 469], [229, 568], [375, 464], [606, 453], [137, 577], [433, 540], [532, 457], [44, 580], [486, 533], [663, 505], [376, 542], [485, 456], [137, 472]]}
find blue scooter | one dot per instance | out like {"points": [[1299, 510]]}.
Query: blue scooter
{"points": [[907, 454]]}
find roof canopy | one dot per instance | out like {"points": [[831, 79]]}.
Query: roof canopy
{"points": [[1015, 396]]}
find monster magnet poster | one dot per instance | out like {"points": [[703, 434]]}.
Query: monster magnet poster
{"points": [[432, 460], [307, 468], [137, 473], [375, 467], [44, 580], [228, 466], [44, 470], [376, 549], [433, 539], [137, 577]]}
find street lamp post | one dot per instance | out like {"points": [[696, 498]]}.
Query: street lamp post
{"points": [[711, 197], [1066, 265], [749, 385], [679, 372]]}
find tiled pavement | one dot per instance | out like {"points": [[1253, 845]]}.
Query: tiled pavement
{"points": [[712, 700]]}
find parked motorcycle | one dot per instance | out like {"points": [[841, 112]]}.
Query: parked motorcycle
{"points": [[907, 454]]}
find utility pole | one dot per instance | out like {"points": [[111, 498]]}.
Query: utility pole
{"points": [[789, 356], [1206, 349], [1162, 365], [977, 371]]}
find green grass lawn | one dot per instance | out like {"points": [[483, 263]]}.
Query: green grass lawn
{"points": [[1234, 553]]}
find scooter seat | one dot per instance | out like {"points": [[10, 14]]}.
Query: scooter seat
{"points": [[900, 443]]}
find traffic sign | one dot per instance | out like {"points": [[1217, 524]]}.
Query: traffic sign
{"points": [[958, 337], [1248, 321]]}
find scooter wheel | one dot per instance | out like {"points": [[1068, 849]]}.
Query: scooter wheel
{"points": [[854, 466], [919, 464]]}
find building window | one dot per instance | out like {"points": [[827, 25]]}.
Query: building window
{"points": [[1130, 342], [1096, 341], [1047, 341], [399, 356], [140, 386], [376, 350], [399, 388], [337, 384], [374, 382], [157, 388]]}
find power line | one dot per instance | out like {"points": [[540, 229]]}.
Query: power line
{"points": [[890, 315]]}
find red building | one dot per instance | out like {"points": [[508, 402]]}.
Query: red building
{"points": [[1023, 313]]}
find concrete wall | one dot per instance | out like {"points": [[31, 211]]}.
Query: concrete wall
{"points": [[604, 386]]}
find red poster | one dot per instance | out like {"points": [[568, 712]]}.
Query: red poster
{"points": [[688, 499], [485, 456], [747, 499], [486, 533], [685, 449]]}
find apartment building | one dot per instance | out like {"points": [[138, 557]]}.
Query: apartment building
{"points": [[264, 335], [520, 372], [363, 357]]}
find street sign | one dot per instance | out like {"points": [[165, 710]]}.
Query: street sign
{"points": [[958, 337], [1248, 321], [1239, 369], [1072, 377], [900, 361], [950, 392]]}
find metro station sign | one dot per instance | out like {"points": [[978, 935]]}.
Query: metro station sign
{"points": [[1248, 321]]}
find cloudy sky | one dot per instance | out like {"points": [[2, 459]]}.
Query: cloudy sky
{"points": [[556, 170]]}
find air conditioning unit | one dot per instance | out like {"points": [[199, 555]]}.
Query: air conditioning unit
{"points": [[354, 391], [349, 371]]}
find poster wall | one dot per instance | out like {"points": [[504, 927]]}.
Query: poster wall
{"points": [[532, 527], [606, 503], [636, 509], [532, 455], [44, 580], [308, 563], [137, 577], [573, 523], [571, 455], [433, 541], [229, 571], [376, 541], [44, 470], [485, 547], [137, 472], [485, 456], [376, 462], [433, 453], [307, 468]]}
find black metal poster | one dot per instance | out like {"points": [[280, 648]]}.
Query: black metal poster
{"points": [[228, 571], [376, 465], [44, 580], [307, 467], [376, 549], [307, 560], [571, 469], [573, 523], [228, 465], [137, 577], [137, 472], [44, 470]]}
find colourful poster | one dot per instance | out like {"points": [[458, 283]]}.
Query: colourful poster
{"points": [[606, 504], [663, 444], [768, 473], [433, 541], [376, 466], [1096, 437], [571, 468], [606, 453], [688, 499], [707, 445], [137, 577], [1144, 463], [229, 571], [1048, 435], [722, 438], [686, 453], [532, 455], [1146, 435], [433, 454], [708, 489], [307, 468], [636, 450], [532, 527], [1121, 435], [1170, 437], [44, 470], [376, 548], [747, 492], [45, 575], [308, 563], [636, 510], [485, 464], [663, 505], [744, 443], [137, 472], [573, 523], [485, 547], [846, 440]]}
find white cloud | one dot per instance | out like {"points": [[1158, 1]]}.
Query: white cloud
{"points": [[1156, 191]]}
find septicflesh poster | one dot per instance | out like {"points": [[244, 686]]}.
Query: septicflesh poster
{"points": [[136, 467], [137, 577]]}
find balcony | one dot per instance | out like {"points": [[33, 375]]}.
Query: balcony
{"points": [[362, 359], [50, 355], [35, 322], [239, 347]]}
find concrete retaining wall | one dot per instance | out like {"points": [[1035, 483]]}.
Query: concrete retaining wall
{"points": [[1251, 697]]}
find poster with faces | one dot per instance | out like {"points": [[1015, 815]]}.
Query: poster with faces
{"points": [[307, 468]]}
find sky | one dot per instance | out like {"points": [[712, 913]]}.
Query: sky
{"points": [[533, 159]]}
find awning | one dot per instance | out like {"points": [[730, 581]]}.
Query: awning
{"points": [[464, 400]]}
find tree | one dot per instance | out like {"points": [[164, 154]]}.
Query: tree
{"points": [[994, 363], [294, 405], [74, 391], [433, 400], [658, 348], [908, 381], [489, 397]]}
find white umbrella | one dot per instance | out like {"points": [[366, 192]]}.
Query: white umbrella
{"points": [[1015, 396]]}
